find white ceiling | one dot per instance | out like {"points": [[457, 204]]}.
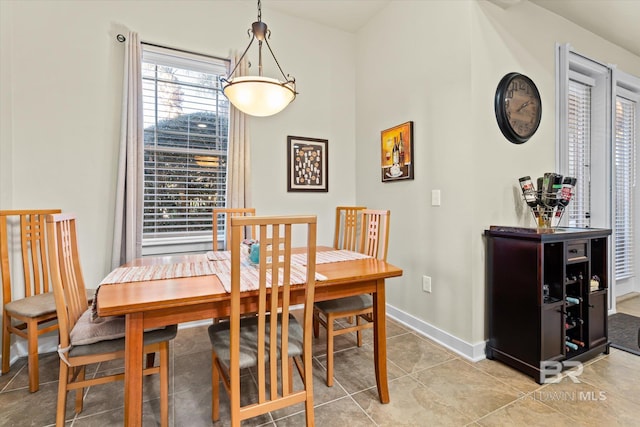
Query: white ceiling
{"points": [[615, 20]]}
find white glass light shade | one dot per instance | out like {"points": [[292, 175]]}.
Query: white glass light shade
{"points": [[259, 96]]}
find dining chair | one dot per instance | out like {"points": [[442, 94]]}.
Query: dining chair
{"points": [[221, 217], [261, 340], [28, 306], [83, 341], [348, 220], [347, 227], [374, 238]]}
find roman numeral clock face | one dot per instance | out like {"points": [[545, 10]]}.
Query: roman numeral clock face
{"points": [[518, 107]]}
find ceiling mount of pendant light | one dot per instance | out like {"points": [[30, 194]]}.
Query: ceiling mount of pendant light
{"points": [[258, 95]]}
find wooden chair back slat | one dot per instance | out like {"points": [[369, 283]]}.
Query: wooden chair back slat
{"points": [[347, 223], [71, 303], [223, 214], [32, 251], [30, 283], [66, 274], [375, 233], [275, 238]]}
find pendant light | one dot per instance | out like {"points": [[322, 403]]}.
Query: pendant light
{"points": [[258, 95]]}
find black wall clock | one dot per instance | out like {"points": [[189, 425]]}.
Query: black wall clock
{"points": [[518, 107]]}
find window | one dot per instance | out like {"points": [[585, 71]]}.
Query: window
{"points": [[186, 121], [625, 137], [598, 119]]}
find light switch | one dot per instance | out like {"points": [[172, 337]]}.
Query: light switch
{"points": [[435, 197]]}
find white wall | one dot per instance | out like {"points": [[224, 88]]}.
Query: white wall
{"points": [[435, 62], [61, 76], [65, 74], [438, 63]]}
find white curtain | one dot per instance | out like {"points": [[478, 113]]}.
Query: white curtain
{"points": [[127, 235], [239, 160]]}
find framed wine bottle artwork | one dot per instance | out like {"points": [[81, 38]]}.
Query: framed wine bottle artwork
{"points": [[307, 164], [396, 153]]}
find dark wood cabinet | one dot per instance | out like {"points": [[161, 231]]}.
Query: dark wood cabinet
{"points": [[546, 297]]}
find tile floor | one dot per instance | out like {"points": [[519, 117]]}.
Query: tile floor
{"points": [[429, 386]]}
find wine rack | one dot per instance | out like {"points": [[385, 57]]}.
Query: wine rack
{"points": [[547, 296]]}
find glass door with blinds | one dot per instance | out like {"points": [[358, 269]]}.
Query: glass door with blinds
{"points": [[598, 118], [579, 152]]}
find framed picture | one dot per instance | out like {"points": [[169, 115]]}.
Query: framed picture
{"points": [[307, 164], [396, 153]]}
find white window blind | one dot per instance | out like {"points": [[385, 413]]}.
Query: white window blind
{"points": [[579, 152], [186, 120], [625, 137]]}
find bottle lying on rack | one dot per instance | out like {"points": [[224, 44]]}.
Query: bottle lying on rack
{"points": [[576, 342], [572, 322], [572, 278], [573, 300], [571, 345]]}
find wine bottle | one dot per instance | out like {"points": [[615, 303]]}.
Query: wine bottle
{"points": [[577, 342], [401, 151], [556, 188], [552, 183], [566, 193], [569, 324], [574, 321], [571, 345], [528, 191], [396, 151], [540, 187], [573, 300], [547, 182]]}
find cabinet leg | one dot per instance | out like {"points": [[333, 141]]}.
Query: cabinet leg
{"points": [[488, 352]]}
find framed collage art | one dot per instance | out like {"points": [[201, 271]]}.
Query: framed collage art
{"points": [[307, 164]]}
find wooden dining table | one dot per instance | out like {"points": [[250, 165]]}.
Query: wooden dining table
{"points": [[157, 303]]}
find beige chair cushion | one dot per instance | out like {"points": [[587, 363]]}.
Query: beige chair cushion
{"points": [[34, 306], [358, 302], [151, 337], [104, 328], [219, 336], [38, 305]]}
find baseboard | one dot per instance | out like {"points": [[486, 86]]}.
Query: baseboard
{"points": [[471, 352]]}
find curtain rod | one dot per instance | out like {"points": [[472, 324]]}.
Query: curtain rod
{"points": [[121, 38]]}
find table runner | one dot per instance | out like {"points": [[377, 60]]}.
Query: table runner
{"points": [[158, 272], [220, 264], [322, 257]]}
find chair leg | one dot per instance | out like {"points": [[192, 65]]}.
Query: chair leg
{"points": [[329, 350], [80, 391], [164, 382], [290, 375], [63, 378], [6, 342], [32, 344], [316, 323], [308, 386], [215, 389], [358, 332]]}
